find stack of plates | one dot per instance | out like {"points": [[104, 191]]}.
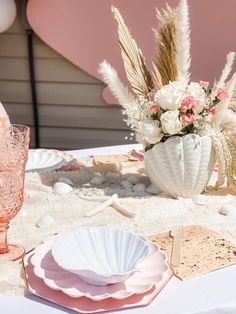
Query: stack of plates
{"points": [[68, 284]]}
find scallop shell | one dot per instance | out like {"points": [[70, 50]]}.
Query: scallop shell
{"points": [[181, 166], [100, 255]]}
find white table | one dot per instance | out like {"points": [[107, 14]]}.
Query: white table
{"points": [[213, 293]]}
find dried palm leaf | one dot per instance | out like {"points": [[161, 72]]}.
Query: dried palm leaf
{"points": [[134, 63], [157, 79], [165, 40]]}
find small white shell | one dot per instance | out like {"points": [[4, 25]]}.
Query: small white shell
{"points": [[45, 222], [228, 210], [227, 199], [152, 189], [133, 179], [97, 179], [61, 188], [139, 187], [66, 180], [200, 199], [126, 184]]}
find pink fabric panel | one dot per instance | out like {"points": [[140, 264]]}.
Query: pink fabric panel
{"points": [[85, 32]]}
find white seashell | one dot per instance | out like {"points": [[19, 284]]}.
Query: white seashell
{"points": [[62, 188], [139, 187], [66, 180], [39, 160], [45, 222], [181, 166], [227, 199], [133, 179], [152, 189], [200, 199], [228, 210], [126, 184], [97, 179], [100, 255]]}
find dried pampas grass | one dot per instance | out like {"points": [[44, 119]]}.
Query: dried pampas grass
{"points": [[183, 58], [118, 89], [165, 69]]}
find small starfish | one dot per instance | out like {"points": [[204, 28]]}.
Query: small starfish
{"points": [[112, 201]]}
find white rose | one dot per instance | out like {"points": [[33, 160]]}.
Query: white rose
{"points": [[170, 122], [195, 90], [170, 96], [151, 132]]}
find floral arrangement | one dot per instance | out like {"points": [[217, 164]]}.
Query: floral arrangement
{"points": [[165, 102]]}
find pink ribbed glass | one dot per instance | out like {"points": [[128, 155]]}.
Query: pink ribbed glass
{"points": [[14, 144]]}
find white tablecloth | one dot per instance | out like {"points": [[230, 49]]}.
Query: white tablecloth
{"points": [[213, 293]]}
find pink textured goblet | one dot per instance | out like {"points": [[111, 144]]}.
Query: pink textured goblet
{"points": [[14, 144]]}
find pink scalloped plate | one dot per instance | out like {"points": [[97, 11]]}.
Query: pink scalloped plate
{"points": [[70, 160], [151, 272], [84, 304]]}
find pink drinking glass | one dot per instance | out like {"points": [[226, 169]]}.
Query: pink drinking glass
{"points": [[14, 145]]}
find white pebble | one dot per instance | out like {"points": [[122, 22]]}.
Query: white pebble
{"points": [[61, 188], [152, 189], [112, 175], [66, 180], [126, 184], [139, 187], [45, 222], [97, 179], [228, 210], [133, 179], [200, 199]]}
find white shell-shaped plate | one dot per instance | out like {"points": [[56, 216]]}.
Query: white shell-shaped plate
{"points": [[151, 271], [181, 166], [43, 161], [99, 255]]}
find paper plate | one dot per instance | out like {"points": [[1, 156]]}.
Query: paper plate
{"points": [[151, 272]]}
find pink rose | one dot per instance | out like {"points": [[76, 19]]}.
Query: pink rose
{"points": [[212, 110], [204, 84], [154, 108], [221, 94], [187, 118], [189, 102]]}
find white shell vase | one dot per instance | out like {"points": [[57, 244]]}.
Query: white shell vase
{"points": [[181, 166]]}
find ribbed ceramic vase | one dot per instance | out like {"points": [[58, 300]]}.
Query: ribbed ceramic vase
{"points": [[181, 166]]}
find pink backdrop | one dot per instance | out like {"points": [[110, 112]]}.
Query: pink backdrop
{"points": [[85, 32]]}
